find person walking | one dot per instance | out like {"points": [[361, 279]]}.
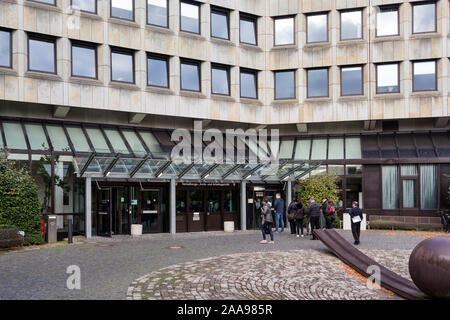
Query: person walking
{"points": [[314, 214], [330, 215], [278, 205], [356, 217], [267, 221], [323, 210], [292, 209], [299, 216]]}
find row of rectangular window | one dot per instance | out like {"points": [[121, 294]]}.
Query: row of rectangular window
{"points": [[351, 20], [42, 53]]}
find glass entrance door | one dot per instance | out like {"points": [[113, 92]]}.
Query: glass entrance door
{"points": [[213, 210], [151, 211], [120, 210], [104, 212]]}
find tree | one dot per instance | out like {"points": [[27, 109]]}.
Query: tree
{"points": [[319, 187], [19, 200]]}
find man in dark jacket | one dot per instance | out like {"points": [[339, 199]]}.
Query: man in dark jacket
{"points": [[292, 210], [279, 212], [314, 214], [323, 212], [355, 215]]}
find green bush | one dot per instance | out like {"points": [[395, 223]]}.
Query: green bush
{"points": [[19, 201], [319, 187]]}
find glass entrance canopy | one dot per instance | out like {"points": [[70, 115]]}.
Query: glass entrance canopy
{"points": [[101, 151]]}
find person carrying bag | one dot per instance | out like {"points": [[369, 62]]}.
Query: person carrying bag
{"points": [[267, 221]]}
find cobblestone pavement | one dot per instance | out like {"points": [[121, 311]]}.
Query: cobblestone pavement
{"points": [[292, 274], [109, 266]]}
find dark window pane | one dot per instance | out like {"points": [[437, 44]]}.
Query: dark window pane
{"points": [[84, 5], [351, 80], [351, 25], [248, 85], [220, 81], [284, 31], [247, 31], [317, 28], [42, 55], [5, 48], [122, 9], [318, 83], [424, 17], [219, 25], [424, 75], [387, 78], [190, 17], [387, 21], [190, 79], [157, 12], [83, 62], [157, 72], [122, 67], [284, 85]]}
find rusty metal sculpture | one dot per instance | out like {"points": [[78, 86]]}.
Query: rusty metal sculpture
{"points": [[429, 267]]}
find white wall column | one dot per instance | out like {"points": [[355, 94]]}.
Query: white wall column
{"points": [[87, 207], [172, 207], [243, 205]]}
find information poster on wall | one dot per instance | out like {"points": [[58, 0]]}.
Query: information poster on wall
{"points": [[196, 216]]}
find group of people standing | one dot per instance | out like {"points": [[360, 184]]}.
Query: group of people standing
{"points": [[314, 217]]}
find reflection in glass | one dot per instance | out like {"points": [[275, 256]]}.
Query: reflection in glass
{"points": [[157, 12], [122, 67], [157, 74], [248, 85], [351, 80], [285, 85], [181, 201], [284, 31], [190, 17], [5, 48], [190, 79], [14, 136], [219, 24], [351, 25], [83, 62], [387, 78], [336, 148], [247, 30], [41, 55], [36, 137], [230, 201], [196, 201], [424, 77], [424, 17], [387, 21], [318, 82], [317, 28], [353, 168], [213, 201], [219, 81], [85, 5], [122, 9]]}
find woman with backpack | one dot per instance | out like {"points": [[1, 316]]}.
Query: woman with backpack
{"points": [[292, 209], [299, 215], [330, 215]]}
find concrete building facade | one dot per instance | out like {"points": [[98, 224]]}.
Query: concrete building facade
{"points": [[325, 71]]}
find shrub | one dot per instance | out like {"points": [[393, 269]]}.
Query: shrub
{"points": [[319, 187], [19, 201]]}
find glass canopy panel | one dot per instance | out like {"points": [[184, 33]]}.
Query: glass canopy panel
{"points": [[424, 145], [199, 169], [319, 170], [78, 139], [406, 147], [388, 147], [14, 136], [302, 150], [369, 146], [151, 166], [244, 170], [36, 136], [116, 141], [442, 141], [319, 149], [152, 144], [135, 143], [286, 148], [125, 165], [353, 148], [222, 169], [336, 148], [58, 138], [98, 141]]}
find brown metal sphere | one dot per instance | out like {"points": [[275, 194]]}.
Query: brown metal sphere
{"points": [[429, 267]]}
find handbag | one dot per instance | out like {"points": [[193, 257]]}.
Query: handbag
{"points": [[290, 216], [356, 219]]}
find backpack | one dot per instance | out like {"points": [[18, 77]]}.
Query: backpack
{"points": [[331, 210]]}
